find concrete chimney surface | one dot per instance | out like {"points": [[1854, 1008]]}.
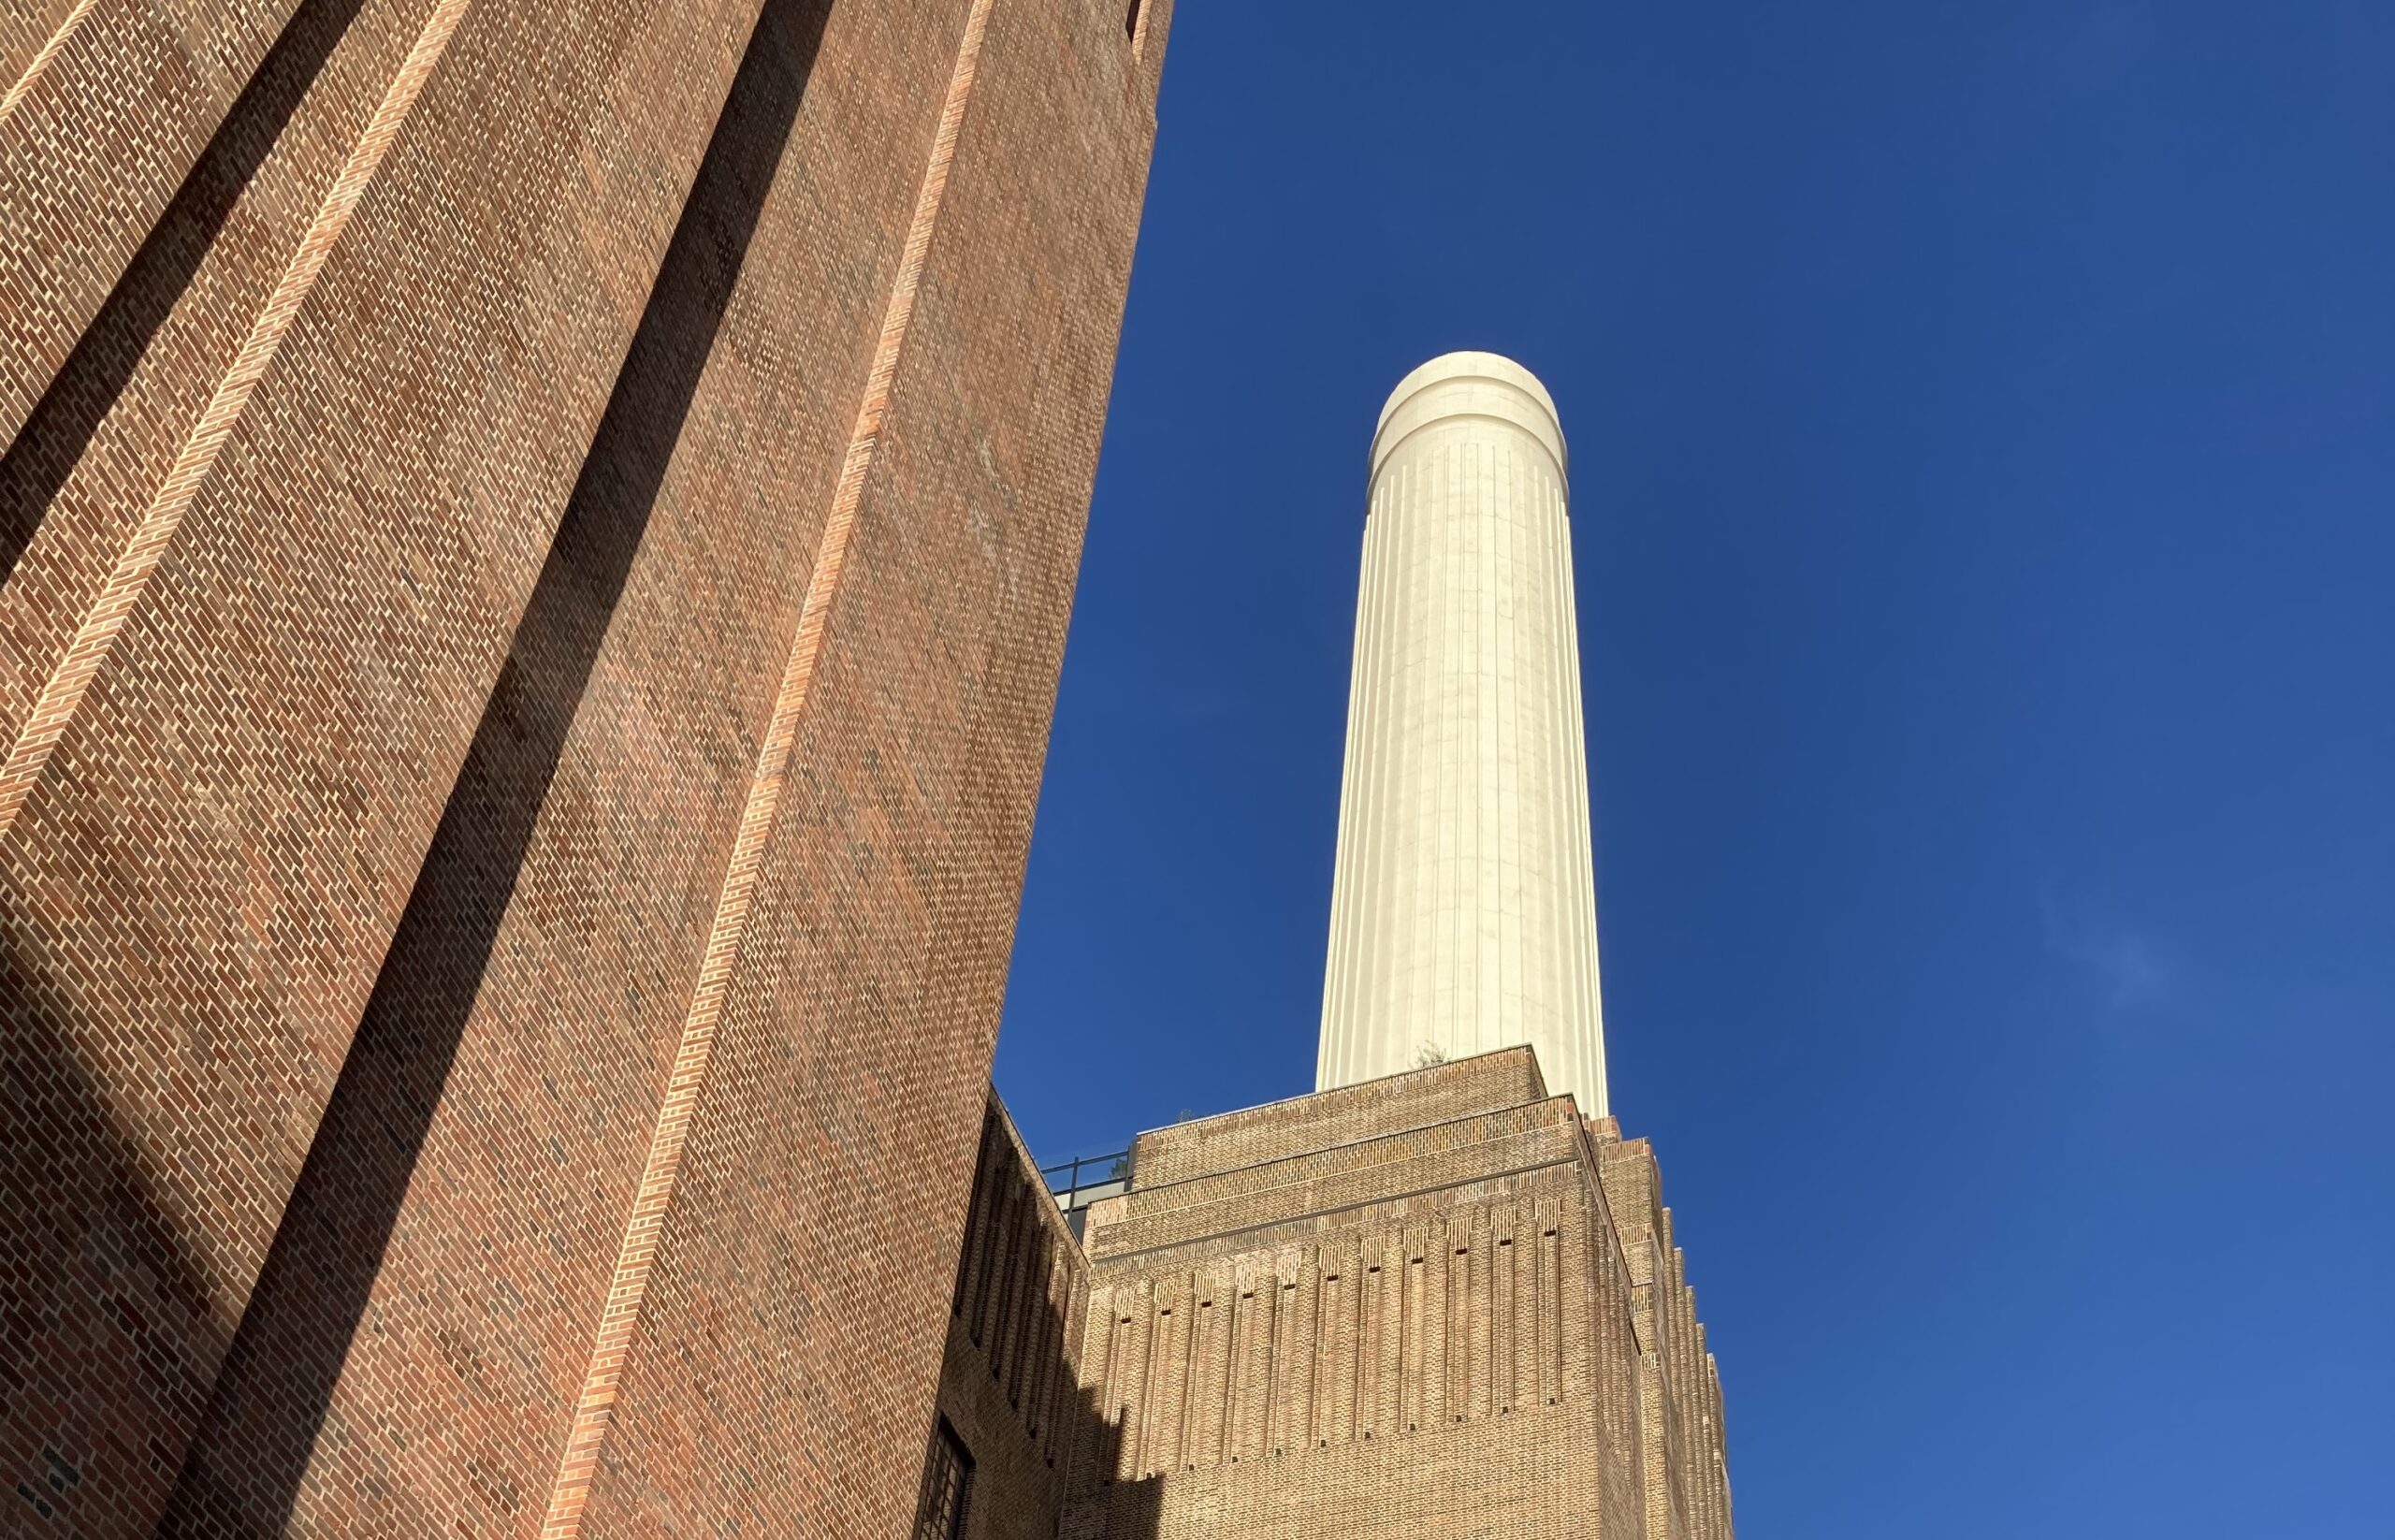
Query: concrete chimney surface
{"points": [[1464, 908]]}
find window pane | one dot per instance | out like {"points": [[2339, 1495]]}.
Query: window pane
{"points": [[948, 1473]]}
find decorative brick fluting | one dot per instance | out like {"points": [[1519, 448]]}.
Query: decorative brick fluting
{"points": [[1435, 1305]]}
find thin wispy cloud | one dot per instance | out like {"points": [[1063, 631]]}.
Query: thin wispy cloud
{"points": [[2128, 968]]}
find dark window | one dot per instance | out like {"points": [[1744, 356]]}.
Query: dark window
{"points": [[1131, 22], [947, 1481]]}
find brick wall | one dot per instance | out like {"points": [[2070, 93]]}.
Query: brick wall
{"points": [[1439, 1304], [1436, 1365], [1397, 1306], [1436, 1305], [1011, 1382], [1680, 1387], [1398, 1104], [537, 540], [93, 143]]}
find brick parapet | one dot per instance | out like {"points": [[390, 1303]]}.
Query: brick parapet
{"points": [[1323, 1120], [1445, 1155], [1461, 1358], [1397, 1210]]}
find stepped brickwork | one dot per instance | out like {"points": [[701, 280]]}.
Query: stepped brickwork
{"points": [[1439, 1304]]}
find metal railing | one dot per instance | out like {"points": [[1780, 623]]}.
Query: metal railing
{"points": [[1077, 1183]]}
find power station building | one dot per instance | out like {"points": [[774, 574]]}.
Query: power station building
{"points": [[1439, 1296], [535, 546]]}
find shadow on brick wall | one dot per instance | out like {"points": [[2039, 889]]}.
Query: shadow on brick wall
{"points": [[109, 1337], [89, 382], [1045, 1454], [247, 1467]]}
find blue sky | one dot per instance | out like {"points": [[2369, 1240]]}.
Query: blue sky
{"points": [[1984, 449]]}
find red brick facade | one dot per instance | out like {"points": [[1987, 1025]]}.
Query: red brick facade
{"points": [[537, 541]]}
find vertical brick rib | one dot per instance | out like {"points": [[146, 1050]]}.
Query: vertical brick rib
{"points": [[63, 693], [49, 50], [628, 1287]]}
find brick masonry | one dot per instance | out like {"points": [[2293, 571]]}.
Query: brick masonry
{"points": [[1011, 1381], [1439, 1304], [536, 553]]}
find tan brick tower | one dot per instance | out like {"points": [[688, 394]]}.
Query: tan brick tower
{"points": [[1437, 1305], [536, 543]]}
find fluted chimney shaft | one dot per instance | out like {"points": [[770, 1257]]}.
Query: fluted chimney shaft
{"points": [[1463, 911]]}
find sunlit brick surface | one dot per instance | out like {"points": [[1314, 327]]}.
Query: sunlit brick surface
{"points": [[99, 122], [1436, 1305], [356, 890]]}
